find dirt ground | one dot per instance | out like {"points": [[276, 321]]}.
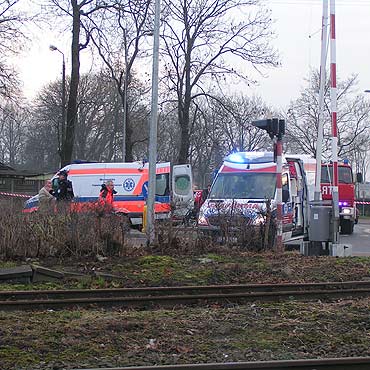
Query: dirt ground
{"points": [[259, 331]]}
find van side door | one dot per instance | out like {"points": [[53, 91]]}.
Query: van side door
{"points": [[287, 203], [182, 189]]}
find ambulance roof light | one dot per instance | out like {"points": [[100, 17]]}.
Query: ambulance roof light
{"points": [[250, 157], [236, 158]]}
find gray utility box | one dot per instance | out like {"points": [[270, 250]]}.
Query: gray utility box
{"points": [[321, 227]]}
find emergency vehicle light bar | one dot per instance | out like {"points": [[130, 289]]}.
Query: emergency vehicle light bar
{"points": [[250, 157]]}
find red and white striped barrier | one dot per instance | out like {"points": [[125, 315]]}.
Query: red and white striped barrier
{"points": [[15, 195], [362, 202]]}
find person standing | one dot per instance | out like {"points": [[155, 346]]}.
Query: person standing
{"points": [[46, 199], [64, 191], [205, 193], [107, 192]]}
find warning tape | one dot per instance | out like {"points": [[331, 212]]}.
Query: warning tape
{"points": [[15, 195], [361, 202]]}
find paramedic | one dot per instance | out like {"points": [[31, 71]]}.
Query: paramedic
{"points": [[46, 199], [107, 192], [205, 193], [64, 191]]}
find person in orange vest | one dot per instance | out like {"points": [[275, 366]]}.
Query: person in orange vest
{"points": [[107, 193]]}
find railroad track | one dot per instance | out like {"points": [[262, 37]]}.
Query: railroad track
{"points": [[172, 296], [354, 363]]}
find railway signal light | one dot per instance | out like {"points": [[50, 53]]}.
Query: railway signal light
{"points": [[274, 127]]}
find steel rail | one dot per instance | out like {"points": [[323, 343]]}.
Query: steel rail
{"points": [[182, 299], [155, 291], [353, 363]]}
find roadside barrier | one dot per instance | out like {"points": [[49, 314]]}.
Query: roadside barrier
{"points": [[15, 195]]}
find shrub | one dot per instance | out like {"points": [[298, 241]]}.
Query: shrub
{"points": [[60, 234]]}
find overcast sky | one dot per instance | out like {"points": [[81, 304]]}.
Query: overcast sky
{"points": [[298, 29], [298, 36]]}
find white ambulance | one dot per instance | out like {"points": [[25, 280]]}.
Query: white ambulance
{"points": [[244, 184], [173, 187]]}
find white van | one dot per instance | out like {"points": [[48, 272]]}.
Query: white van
{"points": [[173, 187]]}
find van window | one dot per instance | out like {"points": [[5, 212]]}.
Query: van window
{"points": [[285, 182], [182, 184], [161, 185]]}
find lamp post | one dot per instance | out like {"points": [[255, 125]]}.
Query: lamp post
{"points": [[150, 202], [54, 48], [125, 84]]}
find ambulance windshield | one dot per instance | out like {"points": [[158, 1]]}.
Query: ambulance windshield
{"points": [[248, 185]]}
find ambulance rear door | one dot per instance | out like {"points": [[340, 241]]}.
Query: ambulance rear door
{"points": [[182, 189]]}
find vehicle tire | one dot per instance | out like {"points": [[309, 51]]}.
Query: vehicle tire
{"points": [[346, 227]]}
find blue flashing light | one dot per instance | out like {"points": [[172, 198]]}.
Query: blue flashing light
{"points": [[236, 158], [250, 157]]}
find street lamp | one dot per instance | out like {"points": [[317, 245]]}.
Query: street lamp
{"points": [[125, 85], [54, 48]]}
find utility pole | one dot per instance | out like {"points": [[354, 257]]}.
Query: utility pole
{"points": [[153, 129], [334, 128], [276, 130], [320, 134], [62, 135], [279, 187], [125, 84]]}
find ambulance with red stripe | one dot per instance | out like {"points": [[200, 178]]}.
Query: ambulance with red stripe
{"points": [[245, 183], [173, 187]]}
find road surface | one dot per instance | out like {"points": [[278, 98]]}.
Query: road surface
{"points": [[360, 239]]}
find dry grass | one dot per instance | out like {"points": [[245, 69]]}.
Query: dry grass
{"points": [[98, 231], [62, 234]]}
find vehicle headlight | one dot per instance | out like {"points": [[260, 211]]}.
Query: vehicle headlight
{"points": [[202, 220], [346, 211]]}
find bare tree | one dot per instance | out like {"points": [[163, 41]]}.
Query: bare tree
{"points": [[200, 37], [223, 126], [240, 111], [98, 131], [80, 11], [119, 37], [219, 125], [360, 156], [352, 119], [13, 119], [12, 23]]}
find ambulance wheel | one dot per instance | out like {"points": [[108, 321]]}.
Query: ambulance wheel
{"points": [[346, 227]]}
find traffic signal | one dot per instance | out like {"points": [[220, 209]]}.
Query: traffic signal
{"points": [[274, 127]]}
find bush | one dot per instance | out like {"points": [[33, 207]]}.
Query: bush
{"points": [[62, 234]]}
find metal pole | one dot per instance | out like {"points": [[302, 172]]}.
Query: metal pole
{"points": [[333, 96], [320, 132], [279, 194], [62, 136], [63, 99], [153, 129], [124, 123]]}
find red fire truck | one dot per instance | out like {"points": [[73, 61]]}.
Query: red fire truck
{"points": [[346, 189]]}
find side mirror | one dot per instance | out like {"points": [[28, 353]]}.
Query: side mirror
{"points": [[359, 177], [285, 195]]}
